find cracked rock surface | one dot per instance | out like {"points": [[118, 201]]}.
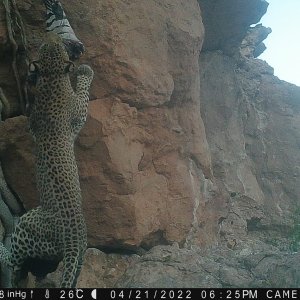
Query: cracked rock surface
{"points": [[143, 149], [252, 266], [189, 166]]}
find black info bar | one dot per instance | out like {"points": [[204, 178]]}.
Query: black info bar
{"points": [[151, 294]]}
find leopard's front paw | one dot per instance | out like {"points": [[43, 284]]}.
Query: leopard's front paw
{"points": [[85, 70]]}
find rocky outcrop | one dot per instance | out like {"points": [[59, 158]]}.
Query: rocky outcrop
{"points": [[256, 265], [227, 22], [143, 151], [252, 45], [201, 156], [252, 126]]}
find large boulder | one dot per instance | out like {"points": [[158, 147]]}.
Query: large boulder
{"points": [[143, 158]]}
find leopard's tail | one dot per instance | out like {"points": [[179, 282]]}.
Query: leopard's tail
{"points": [[5, 256]]}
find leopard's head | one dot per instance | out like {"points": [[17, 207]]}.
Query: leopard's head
{"points": [[53, 57]]}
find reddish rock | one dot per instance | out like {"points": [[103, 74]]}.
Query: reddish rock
{"points": [[17, 157], [146, 172], [143, 151]]}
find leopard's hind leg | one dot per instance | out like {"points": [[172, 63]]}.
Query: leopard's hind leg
{"points": [[34, 239]]}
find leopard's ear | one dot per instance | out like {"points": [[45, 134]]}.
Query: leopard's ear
{"points": [[70, 67], [34, 66]]}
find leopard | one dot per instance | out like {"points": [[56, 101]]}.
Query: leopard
{"points": [[54, 231]]}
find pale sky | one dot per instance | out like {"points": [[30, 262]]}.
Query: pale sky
{"points": [[283, 44]]}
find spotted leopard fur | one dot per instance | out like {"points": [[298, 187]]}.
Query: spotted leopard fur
{"points": [[56, 229]]}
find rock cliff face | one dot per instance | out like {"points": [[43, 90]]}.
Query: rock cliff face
{"points": [[143, 157], [252, 123], [198, 150]]}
